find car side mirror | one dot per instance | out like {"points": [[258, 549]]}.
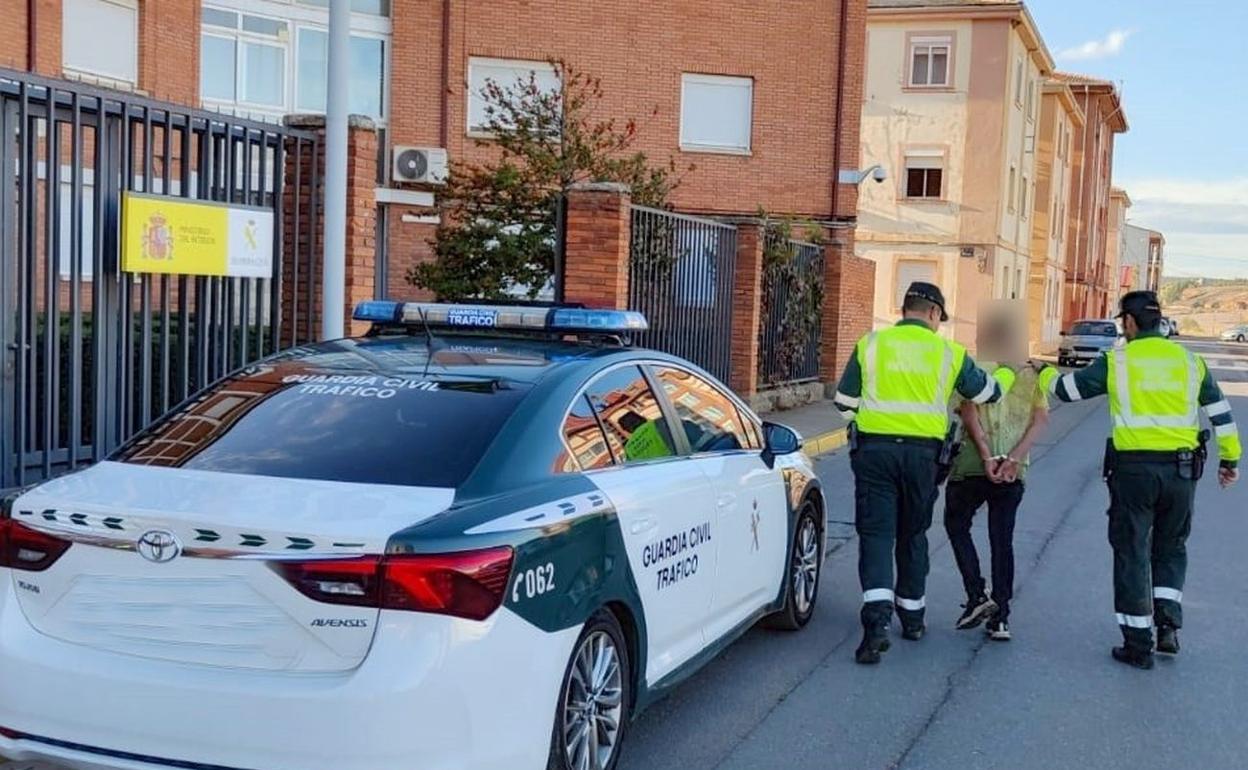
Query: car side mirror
{"points": [[779, 440]]}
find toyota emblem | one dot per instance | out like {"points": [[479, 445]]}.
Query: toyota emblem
{"points": [[159, 546]]}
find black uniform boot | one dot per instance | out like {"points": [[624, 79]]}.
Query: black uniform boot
{"points": [[1133, 656], [874, 644], [1168, 640], [913, 632]]}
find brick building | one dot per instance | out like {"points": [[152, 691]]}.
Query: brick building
{"points": [[1089, 284], [749, 96]]}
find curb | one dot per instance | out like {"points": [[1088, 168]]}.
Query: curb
{"points": [[816, 446]]}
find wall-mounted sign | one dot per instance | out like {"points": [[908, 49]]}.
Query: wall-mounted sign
{"points": [[185, 237]]}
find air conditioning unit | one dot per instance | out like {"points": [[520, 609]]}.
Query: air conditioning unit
{"points": [[425, 165]]}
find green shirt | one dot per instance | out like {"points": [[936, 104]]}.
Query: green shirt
{"points": [[1004, 424]]}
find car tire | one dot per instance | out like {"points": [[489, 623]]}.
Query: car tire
{"points": [[602, 635], [801, 589], [1239, 338]]}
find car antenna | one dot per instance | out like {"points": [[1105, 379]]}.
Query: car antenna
{"points": [[428, 343]]}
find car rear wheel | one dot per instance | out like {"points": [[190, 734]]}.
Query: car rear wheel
{"points": [[592, 714], [805, 568], [1239, 338]]}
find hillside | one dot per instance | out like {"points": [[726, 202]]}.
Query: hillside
{"points": [[1203, 306]]}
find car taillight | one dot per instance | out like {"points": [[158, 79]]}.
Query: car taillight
{"points": [[466, 584], [26, 549]]}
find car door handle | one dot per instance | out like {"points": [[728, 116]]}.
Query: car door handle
{"points": [[644, 524], [726, 501]]}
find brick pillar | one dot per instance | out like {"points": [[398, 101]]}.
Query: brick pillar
{"points": [[596, 245], [307, 249], [747, 287], [848, 305]]}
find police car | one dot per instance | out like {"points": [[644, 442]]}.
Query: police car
{"points": [[477, 537]]}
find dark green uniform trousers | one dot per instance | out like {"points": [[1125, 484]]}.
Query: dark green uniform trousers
{"points": [[895, 491], [1150, 517]]}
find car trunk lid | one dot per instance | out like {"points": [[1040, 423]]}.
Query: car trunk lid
{"points": [[177, 564]]}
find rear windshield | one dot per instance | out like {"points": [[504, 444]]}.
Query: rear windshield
{"points": [[359, 427], [1095, 329]]}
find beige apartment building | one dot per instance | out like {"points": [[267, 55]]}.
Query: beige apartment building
{"points": [[950, 110], [1118, 281], [1061, 120]]}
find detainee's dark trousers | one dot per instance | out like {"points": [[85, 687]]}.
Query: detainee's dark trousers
{"points": [[895, 490], [1150, 518], [962, 500]]}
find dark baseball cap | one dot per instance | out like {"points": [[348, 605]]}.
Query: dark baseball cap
{"points": [[1133, 303], [929, 292]]}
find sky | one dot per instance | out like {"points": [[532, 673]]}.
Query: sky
{"points": [[1182, 66]]}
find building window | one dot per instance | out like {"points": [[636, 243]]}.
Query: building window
{"points": [[716, 113], [1022, 197], [1012, 189], [1018, 82], [100, 39], [924, 174], [909, 271], [266, 58], [929, 61], [1031, 99], [506, 74]]}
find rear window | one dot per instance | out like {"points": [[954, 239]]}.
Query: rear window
{"points": [[357, 427], [1090, 329]]}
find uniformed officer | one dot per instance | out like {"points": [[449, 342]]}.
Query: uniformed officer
{"points": [[1153, 461], [899, 382]]}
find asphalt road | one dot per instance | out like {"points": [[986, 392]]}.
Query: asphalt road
{"points": [[1052, 698]]}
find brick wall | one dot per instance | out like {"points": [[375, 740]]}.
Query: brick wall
{"points": [[848, 306], [597, 245], [746, 300]]}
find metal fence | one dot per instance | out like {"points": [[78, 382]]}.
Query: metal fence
{"points": [[90, 354], [791, 314], [680, 276]]}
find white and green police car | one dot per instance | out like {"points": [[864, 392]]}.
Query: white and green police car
{"points": [[478, 537]]}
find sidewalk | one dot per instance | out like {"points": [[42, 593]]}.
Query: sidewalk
{"points": [[818, 423]]}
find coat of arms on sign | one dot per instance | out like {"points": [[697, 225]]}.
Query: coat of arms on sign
{"points": [[157, 238]]}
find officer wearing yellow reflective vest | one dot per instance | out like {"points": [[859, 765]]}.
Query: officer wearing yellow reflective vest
{"points": [[1152, 463], [896, 388]]}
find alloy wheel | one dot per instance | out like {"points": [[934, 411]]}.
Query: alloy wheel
{"points": [[594, 704], [806, 565]]}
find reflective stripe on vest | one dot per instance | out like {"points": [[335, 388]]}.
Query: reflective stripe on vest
{"points": [[1155, 409]]}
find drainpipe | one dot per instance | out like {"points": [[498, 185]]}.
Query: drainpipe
{"points": [[32, 33], [840, 107], [444, 131]]}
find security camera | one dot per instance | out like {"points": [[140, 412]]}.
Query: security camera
{"points": [[879, 175]]}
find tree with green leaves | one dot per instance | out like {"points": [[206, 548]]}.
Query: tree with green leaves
{"points": [[496, 235]]}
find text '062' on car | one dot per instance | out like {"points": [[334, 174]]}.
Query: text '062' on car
{"points": [[477, 537]]}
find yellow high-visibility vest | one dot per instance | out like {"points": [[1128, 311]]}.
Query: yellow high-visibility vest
{"points": [[1154, 392], [908, 376]]}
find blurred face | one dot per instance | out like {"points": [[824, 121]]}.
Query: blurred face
{"points": [[1001, 334]]}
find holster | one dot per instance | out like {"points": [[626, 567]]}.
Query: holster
{"points": [[1195, 465], [851, 436], [1110, 463], [948, 450]]}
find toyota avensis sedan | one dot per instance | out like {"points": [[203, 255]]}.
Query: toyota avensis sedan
{"points": [[478, 537]]}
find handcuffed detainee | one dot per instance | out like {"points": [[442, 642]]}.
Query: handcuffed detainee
{"points": [[1153, 460], [896, 388]]}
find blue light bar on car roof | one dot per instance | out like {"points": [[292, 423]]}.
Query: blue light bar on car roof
{"points": [[506, 317]]}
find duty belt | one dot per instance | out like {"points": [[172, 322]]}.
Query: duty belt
{"points": [[884, 438], [1143, 456]]}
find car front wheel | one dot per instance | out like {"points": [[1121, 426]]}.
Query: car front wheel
{"points": [[805, 568], [1239, 338], [592, 714]]}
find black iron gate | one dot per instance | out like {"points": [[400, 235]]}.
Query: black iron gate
{"points": [[92, 354]]}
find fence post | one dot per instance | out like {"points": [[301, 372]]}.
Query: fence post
{"points": [[747, 288], [306, 186], [848, 305], [596, 244]]}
